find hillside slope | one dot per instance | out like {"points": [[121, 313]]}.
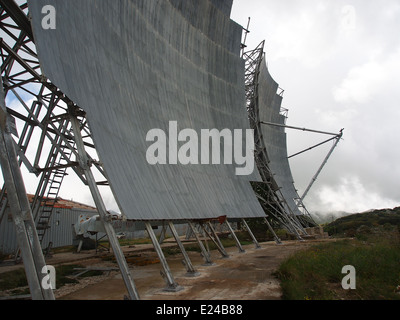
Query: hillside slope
{"points": [[367, 222]]}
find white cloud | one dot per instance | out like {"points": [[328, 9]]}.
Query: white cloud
{"points": [[351, 195], [339, 63], [294, 36], [372, 78]]}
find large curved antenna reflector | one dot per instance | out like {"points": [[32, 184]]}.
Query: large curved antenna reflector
{"points": [[134, 66]]}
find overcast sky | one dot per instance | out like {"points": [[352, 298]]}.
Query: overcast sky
{"points": [[339, 64]]}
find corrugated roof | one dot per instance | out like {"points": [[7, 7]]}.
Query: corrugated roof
{"points": [[63, 203]]}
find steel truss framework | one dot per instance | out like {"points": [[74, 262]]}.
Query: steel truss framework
{"points": [[41, 107], [336, 137], [268, 192], [64, 144]]}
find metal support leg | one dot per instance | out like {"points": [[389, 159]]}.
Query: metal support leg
{"points": [[79, 246], [215, 239], [27, 236], [298, 236], [277, 240], [238, 244], [251, 234], [163, 233], [187, 262], [172, 286], [223, 252], [104, 217], [204, 252]]}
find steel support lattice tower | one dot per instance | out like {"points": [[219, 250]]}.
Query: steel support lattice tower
{"points": [[268, 191], [42, 108]]}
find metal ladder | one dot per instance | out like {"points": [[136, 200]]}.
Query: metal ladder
{"points": [[49, 188], [48, 202]]}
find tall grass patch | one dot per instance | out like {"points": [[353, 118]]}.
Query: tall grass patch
{"points": [[316, 273]]}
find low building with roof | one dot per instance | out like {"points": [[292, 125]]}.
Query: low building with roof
{"points": [[60, 231]]}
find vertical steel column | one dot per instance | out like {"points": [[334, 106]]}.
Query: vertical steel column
{"points": [[251, 234], [238, 244], [277, 240], [172, 286], [27, 237], [104, 217], [187, 262], [206, 255]]}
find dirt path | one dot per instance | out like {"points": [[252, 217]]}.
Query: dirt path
{"points": [[242, 276]]}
